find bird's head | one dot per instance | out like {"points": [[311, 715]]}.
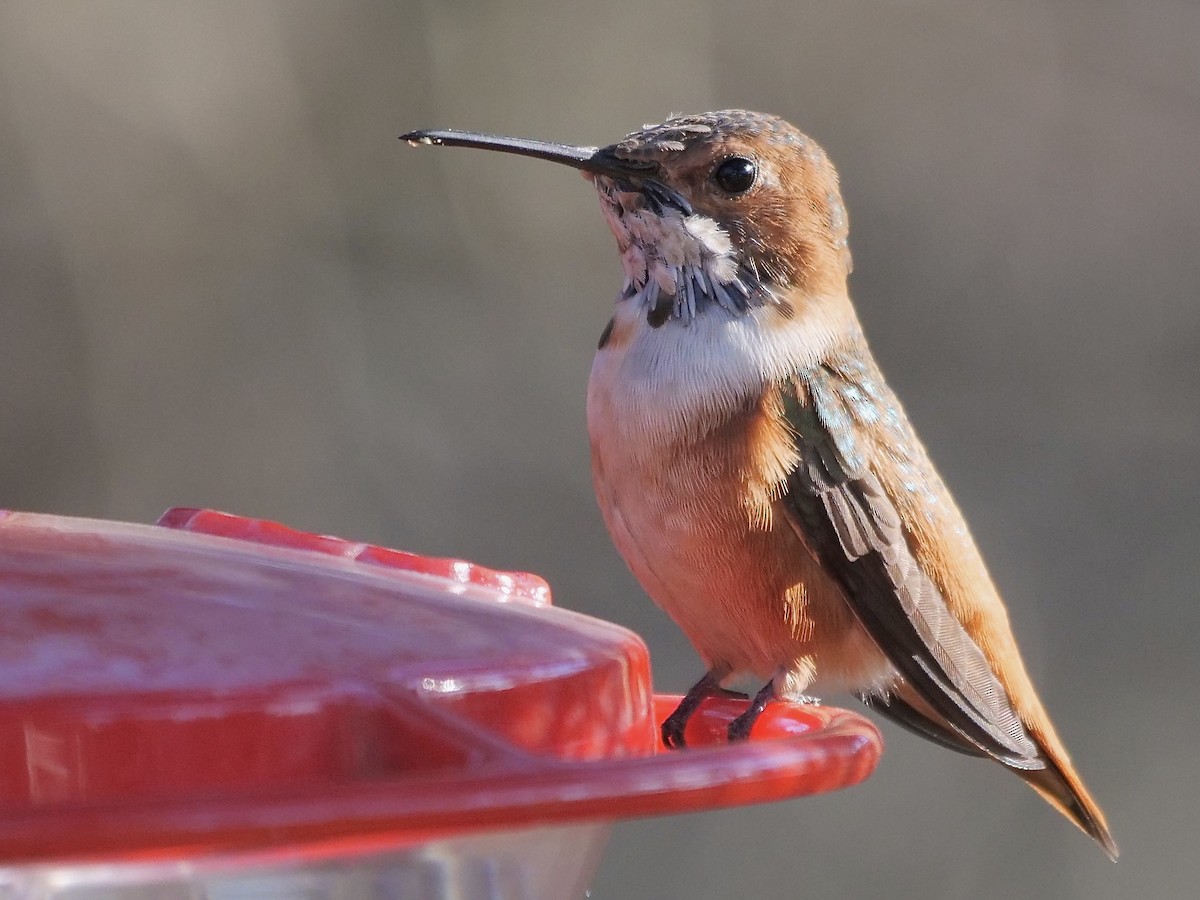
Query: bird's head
{"points": [[729, 211]]}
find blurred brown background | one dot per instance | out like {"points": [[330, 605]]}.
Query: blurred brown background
{"points": [[224, 282]]}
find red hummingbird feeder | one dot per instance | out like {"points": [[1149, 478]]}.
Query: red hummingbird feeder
{"points": [[225, 704]]}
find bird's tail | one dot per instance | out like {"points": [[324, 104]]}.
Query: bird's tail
{"points": [[1050, 772], [1064, 790]]}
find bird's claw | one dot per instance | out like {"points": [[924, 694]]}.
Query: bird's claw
{"points": [[672, 731]]}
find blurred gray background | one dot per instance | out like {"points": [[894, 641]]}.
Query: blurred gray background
{"points": [[226, 283]]}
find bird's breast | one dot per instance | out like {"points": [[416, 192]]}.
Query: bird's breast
{"points": [[689, 498]]}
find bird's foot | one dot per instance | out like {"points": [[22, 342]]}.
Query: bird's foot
{"points": [[740, 728], [674, 726]]}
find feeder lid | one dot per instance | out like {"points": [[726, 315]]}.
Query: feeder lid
{"points": [[224, 683]]}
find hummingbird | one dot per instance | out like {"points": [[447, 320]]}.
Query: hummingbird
{"points": [[756, 472]]}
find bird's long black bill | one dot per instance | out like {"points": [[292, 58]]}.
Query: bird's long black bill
{"points": [[597, 160]]}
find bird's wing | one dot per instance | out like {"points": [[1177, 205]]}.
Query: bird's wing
{"points": [[908, 712], [838, 506]]}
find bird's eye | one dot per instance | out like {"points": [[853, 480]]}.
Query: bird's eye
{"points": [[735, 175]]}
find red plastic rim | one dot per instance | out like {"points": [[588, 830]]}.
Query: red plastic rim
{"points": [[224, 684]]}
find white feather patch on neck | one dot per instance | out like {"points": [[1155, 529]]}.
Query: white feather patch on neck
{"points": [[668, 382]]}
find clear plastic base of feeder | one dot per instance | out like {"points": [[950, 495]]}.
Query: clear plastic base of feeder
{"points": [[543, 863]]}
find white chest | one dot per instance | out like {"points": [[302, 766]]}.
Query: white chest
{"points": [[657, 386]]}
